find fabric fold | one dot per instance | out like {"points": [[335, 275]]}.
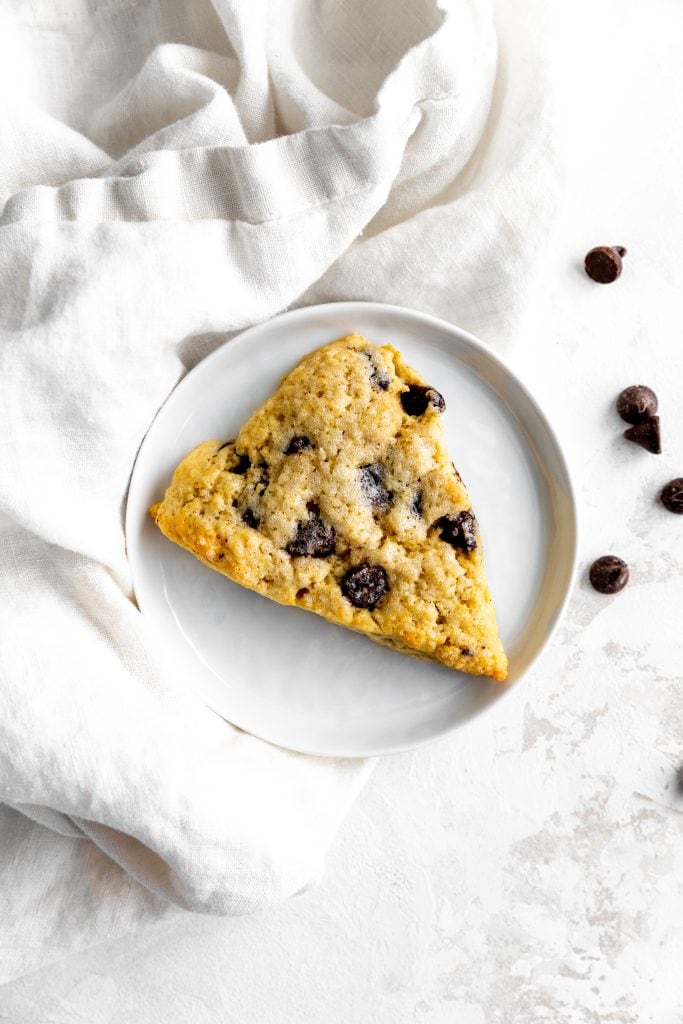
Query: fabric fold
{"points": [[193, 169]]}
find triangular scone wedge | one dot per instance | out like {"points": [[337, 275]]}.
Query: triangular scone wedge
{"points": [[339, 496]]}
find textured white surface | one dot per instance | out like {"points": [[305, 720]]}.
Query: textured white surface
{"points": [[528, 869]]}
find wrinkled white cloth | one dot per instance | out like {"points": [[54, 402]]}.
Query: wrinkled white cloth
{"points": [[170, 172]]}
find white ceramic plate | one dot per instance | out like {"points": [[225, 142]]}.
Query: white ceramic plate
{"points": [[285, 674]]}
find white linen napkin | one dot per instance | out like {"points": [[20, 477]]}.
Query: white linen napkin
{"points": [[170, 172]]}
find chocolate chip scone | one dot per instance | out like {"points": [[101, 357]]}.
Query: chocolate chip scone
{"points": [[339, 496]]}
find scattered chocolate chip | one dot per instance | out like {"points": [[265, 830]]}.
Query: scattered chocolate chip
{"points": [[637, 403], [416, 504], [249, 518], [301, 593], [466, 652], [298, 444], [647, 435], [604, 263], [671, 496], [242, 466], [379, 378], [416, 399], [459, 531], [372, 485], [313, 537], [609, 574], [365, 585]]}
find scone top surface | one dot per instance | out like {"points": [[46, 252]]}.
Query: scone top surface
{"points": [[339, 496]]}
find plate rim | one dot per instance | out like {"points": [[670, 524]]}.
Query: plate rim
{"points": [[341, 307]]}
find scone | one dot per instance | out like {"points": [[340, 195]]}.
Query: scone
{"points": [[339, 496]]}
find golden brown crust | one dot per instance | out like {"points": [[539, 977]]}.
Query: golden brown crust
{"points": [[238, 506]]}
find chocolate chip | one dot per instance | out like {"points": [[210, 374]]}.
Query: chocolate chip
{"points": [[379, 378], [372, 485], [313, 537], [671, 496], [249, 518], [647, 435], [242, 466], [609, 574], [603, 264], [637, 403], [418, 397], [466, 652], [298, 444], [416, 504], [436, 399], [365, 585], [459, 531]]}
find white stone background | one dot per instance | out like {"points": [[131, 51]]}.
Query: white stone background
{"points": [[528, 869]]}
